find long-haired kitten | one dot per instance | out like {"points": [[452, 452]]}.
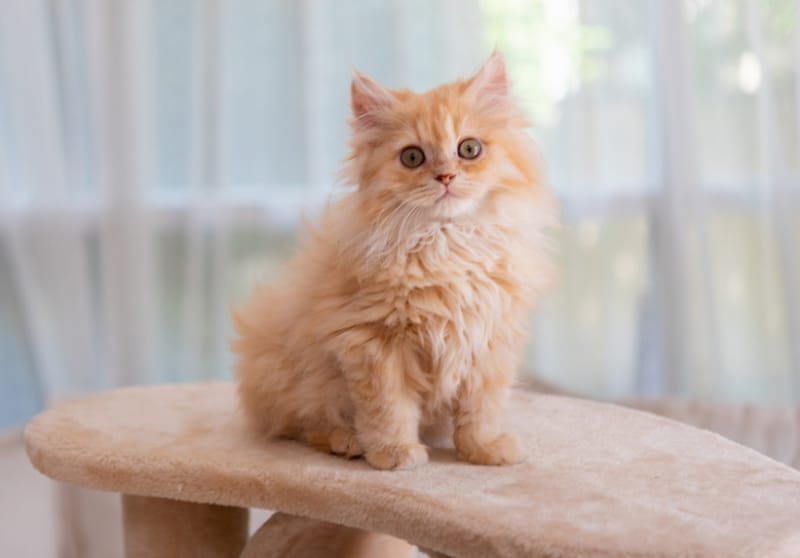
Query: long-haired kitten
{"points": [[405, 309]]}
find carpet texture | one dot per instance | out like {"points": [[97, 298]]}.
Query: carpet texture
{"points": [[598, 479]]}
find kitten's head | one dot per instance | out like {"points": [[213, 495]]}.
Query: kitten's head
{"points": [[444, 154]]}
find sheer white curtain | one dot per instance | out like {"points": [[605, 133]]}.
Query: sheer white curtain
{"points": [[155, 158]]}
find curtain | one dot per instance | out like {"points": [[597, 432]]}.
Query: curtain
{"points": [[157, 157]]}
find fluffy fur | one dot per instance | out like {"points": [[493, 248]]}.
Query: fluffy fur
{"points": [[405, 309]]}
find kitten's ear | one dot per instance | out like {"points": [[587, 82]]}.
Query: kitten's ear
{"points": [[367, 98], [492, 79]]}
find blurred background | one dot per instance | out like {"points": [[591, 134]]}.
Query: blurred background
{"points": [[156, 158]]}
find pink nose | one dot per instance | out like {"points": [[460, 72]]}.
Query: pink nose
{"points": [[445, 178]]}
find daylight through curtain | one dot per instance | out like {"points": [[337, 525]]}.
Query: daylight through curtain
{"points": [[156, 157]]}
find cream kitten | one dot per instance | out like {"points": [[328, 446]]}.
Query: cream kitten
{"points": [[406, 308]]}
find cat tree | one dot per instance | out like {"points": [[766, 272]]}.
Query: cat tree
{"points": [[598, 480]]}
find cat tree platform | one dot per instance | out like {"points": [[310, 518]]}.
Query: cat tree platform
{"points": [[598, 480]]}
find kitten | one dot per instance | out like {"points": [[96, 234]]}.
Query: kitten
{"points": [[406, 308]]}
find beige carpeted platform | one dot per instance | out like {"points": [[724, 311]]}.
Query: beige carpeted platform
{"points": [[599, 480]]}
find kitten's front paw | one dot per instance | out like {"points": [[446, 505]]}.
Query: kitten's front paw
{"points": [[502, 450], [399, 456]]}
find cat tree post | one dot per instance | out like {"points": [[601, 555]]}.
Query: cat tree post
{"points": [[287, 535], [163, 528]]}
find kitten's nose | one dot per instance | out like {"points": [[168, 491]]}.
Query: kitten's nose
{"points": [[445, 178]]}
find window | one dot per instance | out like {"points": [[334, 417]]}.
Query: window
{"points": [[155, 159]]}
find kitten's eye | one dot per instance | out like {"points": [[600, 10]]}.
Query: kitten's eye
{"points": [[470, 148], [412, 157]]}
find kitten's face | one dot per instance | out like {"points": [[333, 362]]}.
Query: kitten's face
{"points": [[439, 154]]}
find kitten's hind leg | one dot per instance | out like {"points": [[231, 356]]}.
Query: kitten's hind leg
{"points": [[343, 441], [336, 440]]}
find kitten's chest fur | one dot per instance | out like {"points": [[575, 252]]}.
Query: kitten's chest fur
{"points": [[447, 296], [445, 272]]}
